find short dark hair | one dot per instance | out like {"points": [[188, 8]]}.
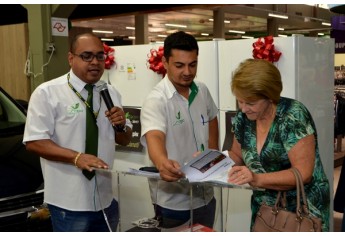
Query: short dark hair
{"points": [[73, 43], [179, 40]]}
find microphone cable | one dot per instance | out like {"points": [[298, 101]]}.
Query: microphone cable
{"points": [[100, 203]]}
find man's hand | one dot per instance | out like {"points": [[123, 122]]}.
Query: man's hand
{"points": [[169, 170]]}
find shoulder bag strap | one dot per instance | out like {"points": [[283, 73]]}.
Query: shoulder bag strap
{"points": [[298, 191], [304, 198]]}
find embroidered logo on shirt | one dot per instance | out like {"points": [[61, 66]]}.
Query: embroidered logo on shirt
{"points": [[74, 109], [179, 120]]}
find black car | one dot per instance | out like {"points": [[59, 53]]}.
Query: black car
{"points": [[21, 182]]}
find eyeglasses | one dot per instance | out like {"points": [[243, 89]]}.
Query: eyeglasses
{"points": [[88, 56]]}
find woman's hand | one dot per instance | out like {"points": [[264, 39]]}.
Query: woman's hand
{"points": [[240, 175], [196, 154]]}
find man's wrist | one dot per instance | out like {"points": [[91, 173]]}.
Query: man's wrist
{"points": [[121, 128]]}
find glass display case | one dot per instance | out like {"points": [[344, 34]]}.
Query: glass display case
{"points": [[132, 220]]}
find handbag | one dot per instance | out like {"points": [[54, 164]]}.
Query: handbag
{"points": [[277, 219]]}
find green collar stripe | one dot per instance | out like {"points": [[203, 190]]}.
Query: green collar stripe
{"points": [[193, 93]]}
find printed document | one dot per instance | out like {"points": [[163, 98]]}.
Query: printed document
{"points": [[209, 166]]}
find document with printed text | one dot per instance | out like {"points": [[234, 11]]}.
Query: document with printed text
{"points": [[209, 166]]}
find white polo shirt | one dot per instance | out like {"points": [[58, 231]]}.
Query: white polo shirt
{"points": [[185, 125], [55, 112]]}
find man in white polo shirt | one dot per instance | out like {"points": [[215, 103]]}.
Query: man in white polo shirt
{"points": [[57, 129], [179, 118]]}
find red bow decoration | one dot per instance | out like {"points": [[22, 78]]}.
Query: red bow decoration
{"points": [[155, 60], [265, 50], [109, 56]]}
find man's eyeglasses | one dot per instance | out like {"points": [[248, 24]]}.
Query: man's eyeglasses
{"points": [[88, 56]]}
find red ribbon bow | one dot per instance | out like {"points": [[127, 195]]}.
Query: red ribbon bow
{"points": [[265, 50], [109, 56], [155, 60]]}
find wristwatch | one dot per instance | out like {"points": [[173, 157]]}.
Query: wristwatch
{"points": [[121, 128]]}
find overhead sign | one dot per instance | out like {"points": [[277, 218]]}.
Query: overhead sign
{"points": [[59, 26]]}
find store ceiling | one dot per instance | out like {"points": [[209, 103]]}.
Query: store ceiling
{"points": [[252, 19]]}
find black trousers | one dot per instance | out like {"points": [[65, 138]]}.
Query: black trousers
{"points": [[170, 218]]}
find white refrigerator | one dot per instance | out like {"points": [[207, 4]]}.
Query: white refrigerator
{"points": [[132, 78], [306, 66]]}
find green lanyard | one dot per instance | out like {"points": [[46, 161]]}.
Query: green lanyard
{"points": [[95, 113], [192, 95]]}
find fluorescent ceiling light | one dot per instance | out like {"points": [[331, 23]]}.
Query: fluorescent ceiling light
{"points": [[282, 35], [175, 25], [321, 34], [102, 31], [326, 23], [237, 31], [278, 16], [129, 27], [105, 39], [324, 6], [131, 37], [306, 19], [205, 34], [162, 35], [225, 21], [247, 37], [281, 29]]}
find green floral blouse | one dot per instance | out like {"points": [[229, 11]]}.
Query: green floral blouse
{"points": [[292, 122]]}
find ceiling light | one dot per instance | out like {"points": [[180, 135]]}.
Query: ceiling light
{"points": [[282, 35], [324, 6], [237, 32], [105, 39], [130, 28], [205, 34], [326, 23], [225, 21], [131, 37], [102, 31], [321, 34], [247, 37], [162, 35], [175, 25], [306, 19], [281, 29], [278, 16]]}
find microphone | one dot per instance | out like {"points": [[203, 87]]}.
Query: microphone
{"points": [[109, 103]]}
